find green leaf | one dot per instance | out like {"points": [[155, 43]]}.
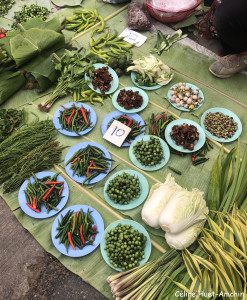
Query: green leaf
{"points": [[64, 3], [26, 45]]}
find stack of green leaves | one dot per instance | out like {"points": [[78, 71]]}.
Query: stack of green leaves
{"points": [[136, 128], [75, 118], [149, 153], [10, 120], [123, 188], [125, 246], [72, 67], [46, 191], [90, 162], [29, 150], [76, 229]]}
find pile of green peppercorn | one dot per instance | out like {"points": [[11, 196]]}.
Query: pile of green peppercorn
{"points": [[29, 12], [5, 6], [220, 125], [125, 246], [123, 188], [149, 153]]}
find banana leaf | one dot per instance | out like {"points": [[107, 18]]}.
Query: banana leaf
{"points": [[10, 82], [63, 3], [27, 45]]}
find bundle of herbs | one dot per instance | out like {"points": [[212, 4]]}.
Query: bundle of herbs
{"points": [[72, 66], [10, 120]]}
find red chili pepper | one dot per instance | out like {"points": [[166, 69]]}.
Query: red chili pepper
{"points": [[129, 119], [93, 236], [79, 123], [53, 182], [60, 192], [2, 35], [154, 129], [66, 119], [193, 156], [76, 219], [35, 209], [63, 107], [81, 234], [34, 203], [70, 117], [84, 115], [157, 118], [78, 158], [70, 240], [90, 165], [48, 193], [165, 117], [94, 227], [94, 165]]}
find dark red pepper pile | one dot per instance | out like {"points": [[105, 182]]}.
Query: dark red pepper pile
{"points": [[102, 79], [129, 99], [185, 135]]}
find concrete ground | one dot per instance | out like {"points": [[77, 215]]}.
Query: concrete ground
{"points": [[27, 270]]}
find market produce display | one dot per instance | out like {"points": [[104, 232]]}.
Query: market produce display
{"points": [[185, 96], [126, 189], [90, 163], [125, 245], [77, 230], [76, 118], [151, 71], [43, 195], [133, 121], [130, 99], [29, 12], [10, 120], [83, 19], [123, 188], [207, 233]]}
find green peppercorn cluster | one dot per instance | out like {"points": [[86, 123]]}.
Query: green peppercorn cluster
{"points": [[123, 188], [10, 120], [149, 153], [5, 6], [220, 125], [125, 246], [29, 12]]}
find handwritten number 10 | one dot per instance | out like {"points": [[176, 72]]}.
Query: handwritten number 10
{"points": [[118, 132]]}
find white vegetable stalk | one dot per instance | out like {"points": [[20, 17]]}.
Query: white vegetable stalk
{"points": [[158, 197], [183, 210]]}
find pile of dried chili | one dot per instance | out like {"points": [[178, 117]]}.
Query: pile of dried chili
{"points": [[90, 162], [46, 191], [76, 229], [185, 135], [75, 119], [129, 99], [102, 79], [136, 128]]}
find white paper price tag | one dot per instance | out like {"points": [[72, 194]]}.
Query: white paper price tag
{"points": [[117, 133], [133, 37]]}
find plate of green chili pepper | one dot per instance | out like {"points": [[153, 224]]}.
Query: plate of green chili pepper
{"points": [[143, 86], [223, 123], [126, 189], [74, 119], [134, 121], [77, 230], [43, 195], [137, 243], [149, 153], [113, 85], [87, 162]]}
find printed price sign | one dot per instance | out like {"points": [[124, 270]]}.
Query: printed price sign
{"points": [[133, 37], [117, 133]]}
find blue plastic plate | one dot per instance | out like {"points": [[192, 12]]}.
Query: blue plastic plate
{"points": [[43, 214], [149, 88], [98, 221], [114, 115], [146, 138], [72, 151], [198, 144], [114, 83], [92, 115], [133, 203], [194, 87], [135, 226], [133, 110], [225, 112]]}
